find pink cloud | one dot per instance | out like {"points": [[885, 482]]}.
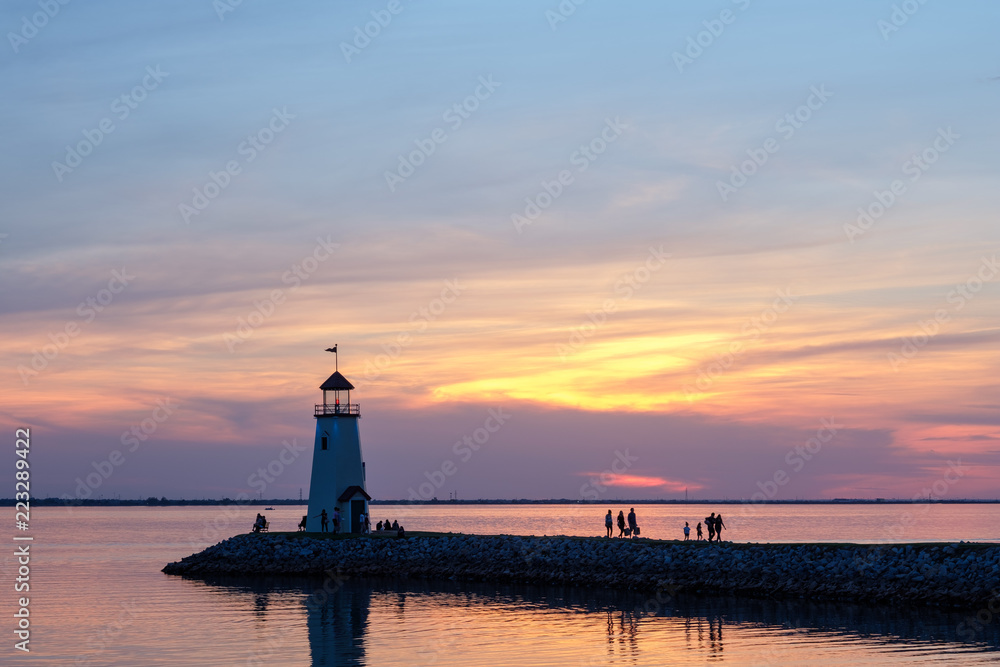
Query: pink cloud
{"points": [[642, 481]]}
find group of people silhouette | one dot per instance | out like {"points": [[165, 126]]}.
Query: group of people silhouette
{"points": [[324, 521], [629, 527], [629, 530], [713, 523]]}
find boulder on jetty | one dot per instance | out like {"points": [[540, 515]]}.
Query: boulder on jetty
{"points": [[960, 575]]}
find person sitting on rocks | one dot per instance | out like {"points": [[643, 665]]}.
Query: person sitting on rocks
{"points": [[402, 533], [378, 527], [395, 525], [302, 524]]}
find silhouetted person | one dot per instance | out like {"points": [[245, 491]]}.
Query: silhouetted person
{"points": [[336, 519], [710, 524], [378, 527], [631, 521], [609, 523], [621, 523], [687, 531], [718, 528], [323, 521], [395, 525], [700, 536]]}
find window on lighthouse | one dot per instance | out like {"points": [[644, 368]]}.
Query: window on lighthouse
{"points": [[323, 442]]}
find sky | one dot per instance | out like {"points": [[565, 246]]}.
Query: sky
{"points": [[728, 249]]}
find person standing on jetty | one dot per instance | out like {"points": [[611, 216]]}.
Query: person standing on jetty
{"points": [[718, 528], [687, 531], [710, 524], [621, 523], [609, 523], [632, 526], [336, 520], [322, 520], [700, 536]]}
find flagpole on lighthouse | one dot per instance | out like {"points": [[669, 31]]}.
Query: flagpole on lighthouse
{"points": [[336, 361]]}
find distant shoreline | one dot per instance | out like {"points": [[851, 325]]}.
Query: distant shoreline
{"points": [[164, 502]]}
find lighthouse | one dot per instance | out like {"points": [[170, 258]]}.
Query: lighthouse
{"points": [[338, 470]]}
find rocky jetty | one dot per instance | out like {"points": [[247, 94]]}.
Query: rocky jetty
{"points": [[960, 575]]}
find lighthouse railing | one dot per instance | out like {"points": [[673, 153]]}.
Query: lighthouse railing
{"points": [[338, 409]]}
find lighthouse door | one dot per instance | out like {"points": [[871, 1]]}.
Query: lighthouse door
{"points": [[357, 509]]}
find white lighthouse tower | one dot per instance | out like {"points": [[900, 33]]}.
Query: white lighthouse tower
{"points": [[338, 471]]}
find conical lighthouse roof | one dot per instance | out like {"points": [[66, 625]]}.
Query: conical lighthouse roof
{"points": [[336, 381]]}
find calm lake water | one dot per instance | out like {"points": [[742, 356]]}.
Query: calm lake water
{"points": [[98, 597]]}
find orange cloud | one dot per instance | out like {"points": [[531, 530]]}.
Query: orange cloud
{"points": [[643, 482]]}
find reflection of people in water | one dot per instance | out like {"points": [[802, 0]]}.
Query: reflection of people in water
{"points": [[715, 634]]}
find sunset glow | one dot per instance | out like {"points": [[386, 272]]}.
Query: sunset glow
{"points": [[708, 330]]}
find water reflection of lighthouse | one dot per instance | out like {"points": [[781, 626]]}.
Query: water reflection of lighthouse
{"points": [[338, 470], [337, 618]]}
